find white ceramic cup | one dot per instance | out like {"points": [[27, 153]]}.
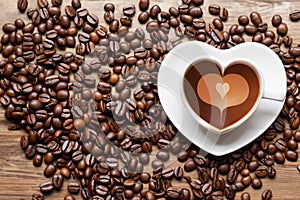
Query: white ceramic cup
{"points": [[262, 93]]}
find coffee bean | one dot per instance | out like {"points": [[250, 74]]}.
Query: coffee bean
{"points": [[267, 194], [189, 166], [187, 19], [70, 11], [196, 12], [46, 187], [22, 5], [85, 194], [152, 26], [37, 196], [73, 188], [245, 196], [144, 4], [243, 20], [37, 160], [276, 20], [223, 15], [154, 10], [255, 18], [280, 144], [183, 9], [56, 2], [57, 181], [129, 10], [214, 9], [82, 12], [287, 40], [173, 193], [49, 170], [282, 29], [291, 155], [42, 3], [92, 19], [217, 36], [295, 15], [271, 172], [232, 176]]}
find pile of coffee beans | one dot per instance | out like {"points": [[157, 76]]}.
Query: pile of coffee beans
{"points": [[86, 95]]}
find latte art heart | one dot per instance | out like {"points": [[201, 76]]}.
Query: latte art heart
{"points": [[222, 89]]}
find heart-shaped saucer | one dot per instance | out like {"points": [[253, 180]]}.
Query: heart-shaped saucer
{"points": [[170, 91]]}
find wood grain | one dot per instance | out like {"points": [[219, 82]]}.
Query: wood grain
{"points": [[19, 179]]}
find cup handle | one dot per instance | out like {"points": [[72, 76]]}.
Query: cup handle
{"points": [[276, 95]]}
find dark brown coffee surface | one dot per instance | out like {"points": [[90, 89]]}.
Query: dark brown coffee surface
{"points": [[209, 108]]}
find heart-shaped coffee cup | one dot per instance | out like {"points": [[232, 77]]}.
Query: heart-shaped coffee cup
{"points": [[222, 95], [257, 57]]}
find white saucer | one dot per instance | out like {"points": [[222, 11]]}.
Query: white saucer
{"points": [[170, 79]]}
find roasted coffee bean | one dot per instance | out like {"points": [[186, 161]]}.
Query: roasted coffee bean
{"points": [[271, 172], [42, 3], [196, 12], [57, 181], [232, 176], [276, 20], [109, 17], [114, 26], [9, 28], [245, 196], [154, 10], [144, 4], [189, 166], [295, 15], [129, 10], [22, 5], [269, 160], [82, 12], [255, 18], [73, 188], [152, 26], [223, 15], [279, 157], [280, 144], [48, 44], [56, 2], [256, 183], [282, 29], [143, 17], [218, 24], [261, 172], [109, 7], [214, 9], [287, 40], [92, 19], [217, 36], [37, 160], [173, 193], [262, 27], [291, 155], [37, 196], [243, 20], [70, 11], [49, 170], [187, 19], [46, 187], [267, 194], [125, 21]]}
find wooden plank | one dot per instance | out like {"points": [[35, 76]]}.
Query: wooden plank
{"points": [[19, 178]]}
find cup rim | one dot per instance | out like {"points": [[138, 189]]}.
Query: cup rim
{"points": [[223, 67]]}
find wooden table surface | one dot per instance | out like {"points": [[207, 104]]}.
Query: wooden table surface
{"points": [[19, 178]]}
